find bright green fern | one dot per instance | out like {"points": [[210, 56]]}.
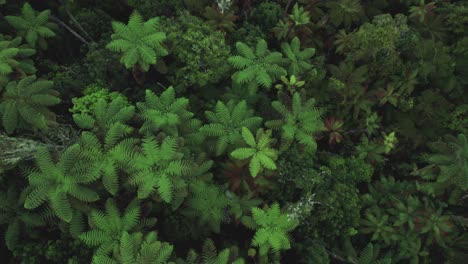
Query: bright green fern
{"points": [[164, 112], [257, 68], [138, 248], [298, 60], [156, 167], [259, 151], [33, 26], [226, 124], [56, 182], [139, 41], [272, 228]]}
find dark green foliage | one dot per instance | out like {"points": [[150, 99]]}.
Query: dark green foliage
{"points": [[233, 174], [25, 104], [139, 41], [33, 26], [13, 59], [300, 122], [207, 204], [200, 54], [448, 169]]}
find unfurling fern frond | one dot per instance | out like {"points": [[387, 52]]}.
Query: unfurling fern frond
{"points": [[56, 182], [33, 26], [226, 123], [139, 41], [157, 168], [259, 68], [164, 112], [138, 248], [259, 151], [25, 104], [300, 122]]}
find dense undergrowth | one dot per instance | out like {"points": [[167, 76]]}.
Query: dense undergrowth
{"points": [[215, 132]]}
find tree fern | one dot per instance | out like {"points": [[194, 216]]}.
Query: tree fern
{"points": [[139, 41], [56, 182], [105, 116], [164, 112], [138, 248], [299, 122], [298, 60], [272, 228], [345, 11], [13, 213], [207, 203], [259, 152], [25, 104], [448, 169], [33, 26], [156, 167], [256, 68], [370, 255], [210, 255], [107, 228], [112, 155], [226, 123], [13, 58]]}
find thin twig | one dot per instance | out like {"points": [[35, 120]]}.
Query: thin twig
{"points": [[70, 29], [76, 22]]}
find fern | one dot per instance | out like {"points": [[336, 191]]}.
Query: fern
{"points": [[25, 103], [109, 227], [56, 182], [33, 26], [105, 116], [19, 220], [448, 169], [300, 122], [112, 155], [272, 228], [259, 152], [13, 59], [256, 68], [156, 167], [210, 255], [207, 203], [136, 248], [139, 41], [226, 123], [370, 254], [298, 61], [345, 12], [299, 16], [164, 112]]}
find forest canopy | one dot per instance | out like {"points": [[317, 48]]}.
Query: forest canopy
{"points": [[233, 131]]}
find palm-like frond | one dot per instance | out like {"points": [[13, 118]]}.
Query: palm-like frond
{"points": [[25, 104], [139, 41]]}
